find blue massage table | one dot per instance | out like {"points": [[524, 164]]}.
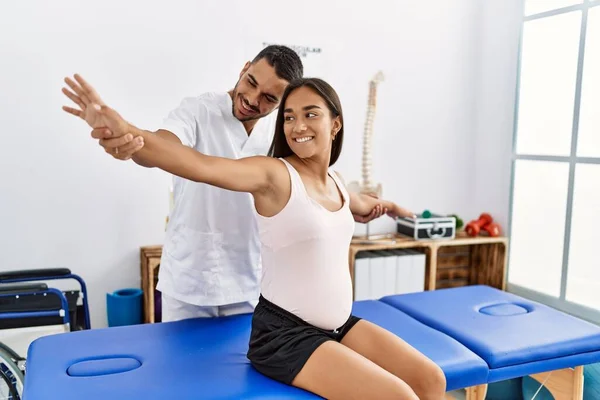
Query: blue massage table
{"points": [[476, 334]]}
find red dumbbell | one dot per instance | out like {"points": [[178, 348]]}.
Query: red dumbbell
{"points": [[493, 229], [475, 226]]}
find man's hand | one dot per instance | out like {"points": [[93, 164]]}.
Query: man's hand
{"points": [[375, 213], [109, 126], [123, 147], [367, 207]]}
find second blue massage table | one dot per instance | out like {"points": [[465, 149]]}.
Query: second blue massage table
{"points": [[476, 334]]}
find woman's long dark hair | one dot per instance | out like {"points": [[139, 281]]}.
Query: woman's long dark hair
{"points": [[279, 146]]}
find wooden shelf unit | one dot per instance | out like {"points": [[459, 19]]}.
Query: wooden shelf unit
{"points": [[449, 263], [149, 264]]}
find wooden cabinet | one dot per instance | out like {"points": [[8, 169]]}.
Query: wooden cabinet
{"points": [[149, 264], [449, 263]]}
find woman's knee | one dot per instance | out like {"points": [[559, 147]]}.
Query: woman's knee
{"points": [[391, 388], [432, 384], [402, 391]]}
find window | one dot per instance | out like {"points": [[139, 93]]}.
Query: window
{"points": [[555, 196], [540, 6]]}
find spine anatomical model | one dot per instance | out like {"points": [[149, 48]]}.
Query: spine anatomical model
{"points": [[367, 185]]}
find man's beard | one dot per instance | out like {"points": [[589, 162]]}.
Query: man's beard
{"points": [[243, 119]]}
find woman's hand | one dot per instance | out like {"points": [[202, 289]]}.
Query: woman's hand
{"points": [[106, 122]]}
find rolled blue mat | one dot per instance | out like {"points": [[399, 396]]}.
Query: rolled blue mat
{"points": [[124, 307]]}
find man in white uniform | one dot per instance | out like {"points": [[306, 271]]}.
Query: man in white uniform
{"points": [[210, 263]]}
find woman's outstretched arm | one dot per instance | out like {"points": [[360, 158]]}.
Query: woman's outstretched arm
{"points": [[252, 174]]}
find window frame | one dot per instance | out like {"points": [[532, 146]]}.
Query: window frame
{"points": [[561, 302]]}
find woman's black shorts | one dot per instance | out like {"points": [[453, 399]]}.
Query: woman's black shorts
{"points": [[281, 342]]}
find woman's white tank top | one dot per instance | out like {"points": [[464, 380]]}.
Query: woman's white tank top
{"points": [[305, 256]]}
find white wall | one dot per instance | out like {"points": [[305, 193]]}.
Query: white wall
{"points": [[500, 26], [65, 203]]}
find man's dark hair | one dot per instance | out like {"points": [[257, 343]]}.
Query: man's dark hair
{"points": [[285, 61]]}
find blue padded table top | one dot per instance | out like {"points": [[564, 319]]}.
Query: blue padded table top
{"points": [[502, 328], [461, 367], [196, 358], [202, 358]]}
